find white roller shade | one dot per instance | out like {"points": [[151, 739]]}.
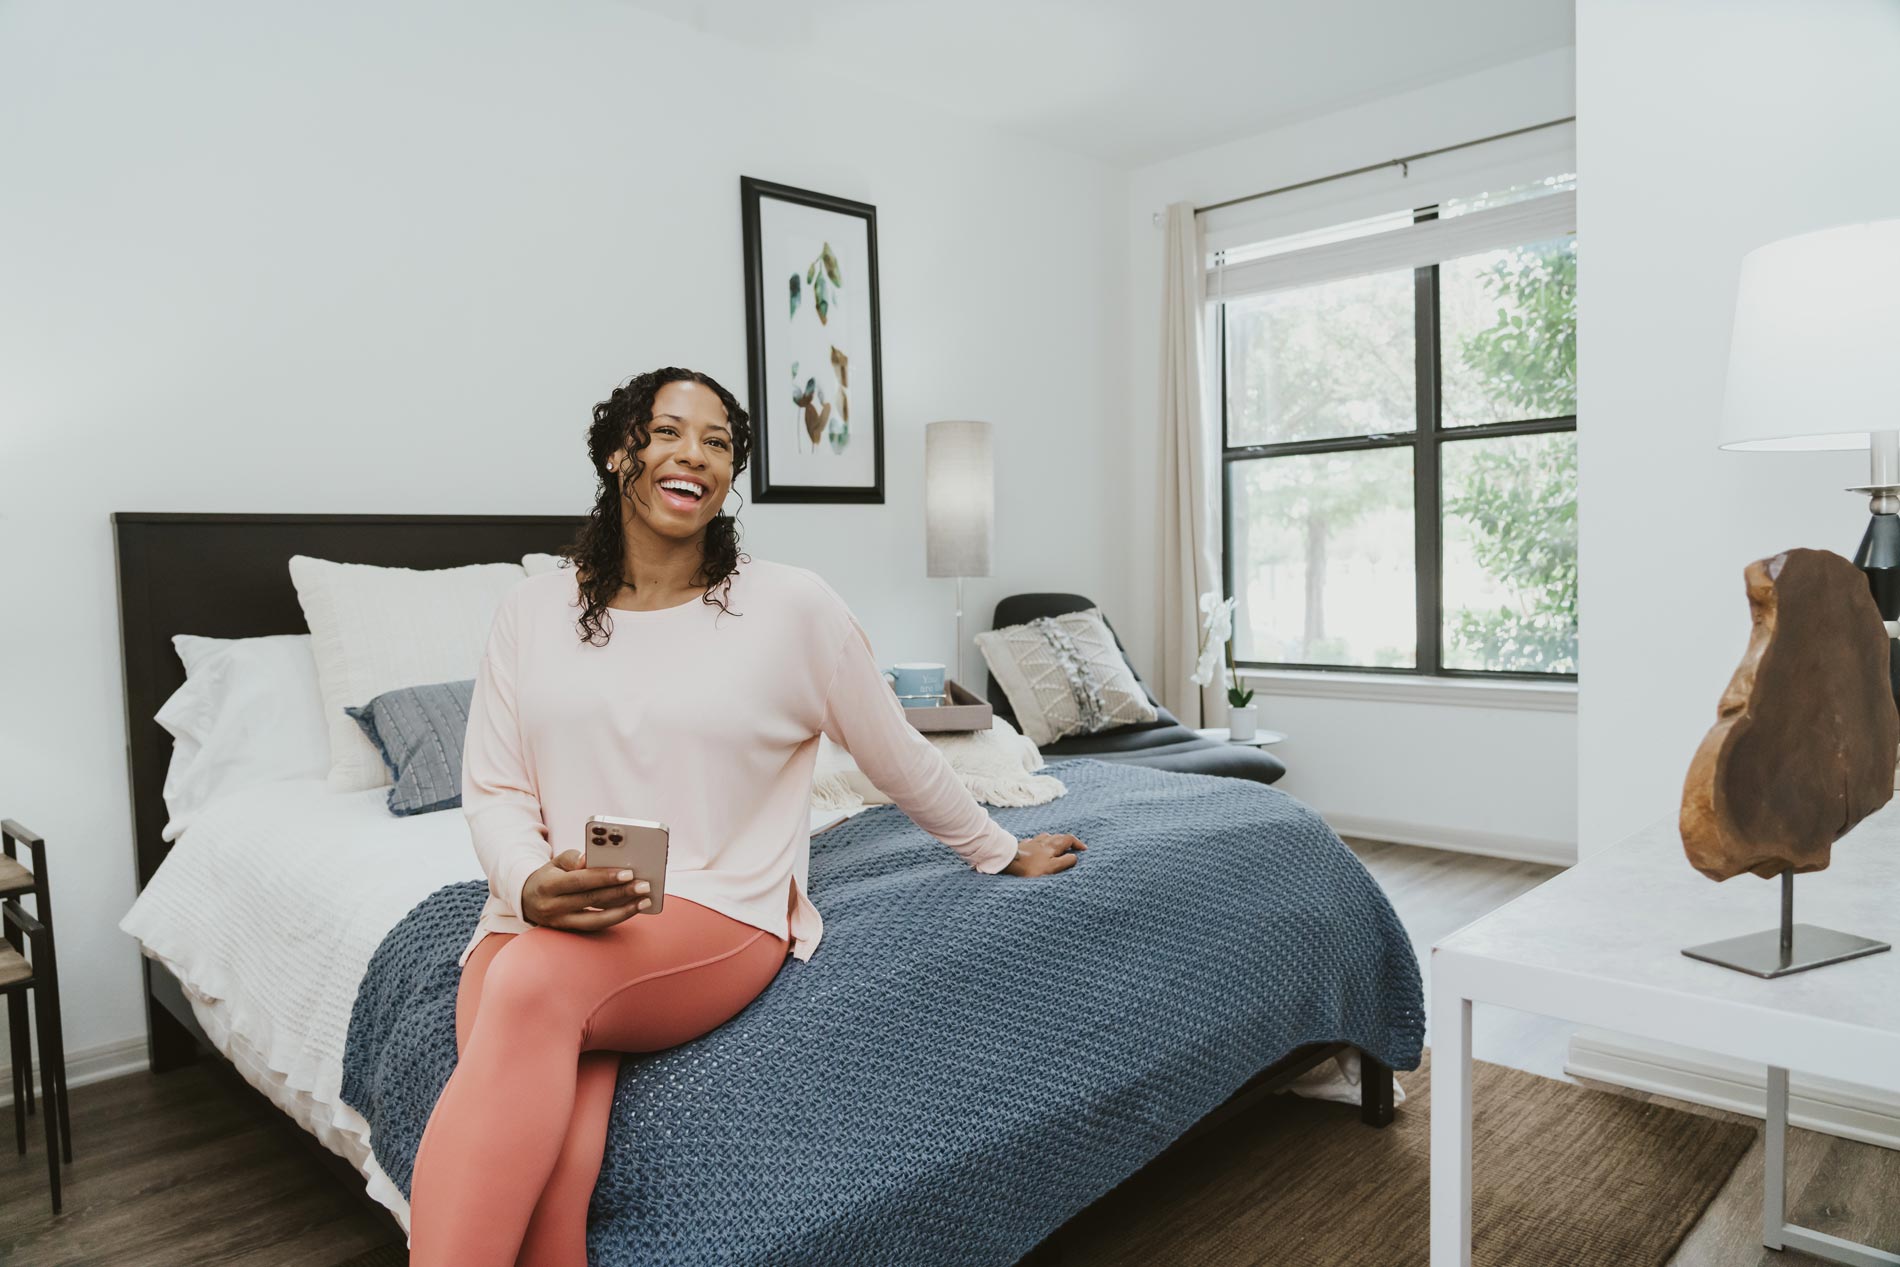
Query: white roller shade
{"points": [[1503, 163], [1409, 246]]}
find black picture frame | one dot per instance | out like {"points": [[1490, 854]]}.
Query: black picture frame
{"points": [[760, 380]]}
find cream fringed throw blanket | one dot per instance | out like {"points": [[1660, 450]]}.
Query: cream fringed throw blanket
{"points": [[997, 766]]}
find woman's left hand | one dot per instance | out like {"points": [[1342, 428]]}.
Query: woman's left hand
{"points": [[1046, 854]]}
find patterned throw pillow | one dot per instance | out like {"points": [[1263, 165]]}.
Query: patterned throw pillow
{"points": [[1064, 675], [419, 731]]}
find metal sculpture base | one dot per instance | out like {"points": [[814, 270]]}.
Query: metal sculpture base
{"points": [[1777, 952]]}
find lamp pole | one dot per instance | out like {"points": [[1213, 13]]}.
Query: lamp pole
{"points": [[959, 643], [959, 506]]}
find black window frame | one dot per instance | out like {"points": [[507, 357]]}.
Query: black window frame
{"points": [[1426, 441]]}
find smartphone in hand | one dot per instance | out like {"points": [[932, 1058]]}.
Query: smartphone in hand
{"points": [[635, 844]]}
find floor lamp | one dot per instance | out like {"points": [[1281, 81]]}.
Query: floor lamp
{"points": [[959, 506]]}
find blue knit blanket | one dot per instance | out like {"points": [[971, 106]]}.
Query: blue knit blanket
{"points": [[967, 1060]]}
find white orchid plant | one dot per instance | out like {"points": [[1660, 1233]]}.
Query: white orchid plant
{"points": [[1217, 631]]}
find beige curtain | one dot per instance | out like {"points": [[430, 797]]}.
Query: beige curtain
{"points": [[1189, 563]]}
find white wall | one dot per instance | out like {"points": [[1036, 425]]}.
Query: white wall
{"points": [[1479, 779], [1446, 774], [356, 257], [1706, 128]]}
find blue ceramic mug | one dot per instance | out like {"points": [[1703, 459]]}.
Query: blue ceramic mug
{"points": [[918, 683]]}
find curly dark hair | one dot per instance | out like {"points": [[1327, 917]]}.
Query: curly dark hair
{"points": [[598, 551]]}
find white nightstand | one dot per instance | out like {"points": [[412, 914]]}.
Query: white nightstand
{"points": [[1601, 944], [1261, 738]]}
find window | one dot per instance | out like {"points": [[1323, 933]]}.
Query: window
{"points": [[1399, 442]]}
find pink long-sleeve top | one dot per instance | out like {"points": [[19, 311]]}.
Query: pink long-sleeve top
{"points": [[705, 720]]}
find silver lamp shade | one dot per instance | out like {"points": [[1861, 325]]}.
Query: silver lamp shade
{"points": [[959, 498], [959, 506]]}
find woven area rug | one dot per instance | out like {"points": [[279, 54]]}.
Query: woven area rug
{"points": [[1560, 1173]]}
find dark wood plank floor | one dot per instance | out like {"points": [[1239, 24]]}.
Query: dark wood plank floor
{"points": [[169, 1171]]}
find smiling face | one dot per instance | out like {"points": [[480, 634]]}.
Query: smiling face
{"points": [[690, 443]]}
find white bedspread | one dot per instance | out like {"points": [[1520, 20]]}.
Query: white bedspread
{"points": [[268, 909]]}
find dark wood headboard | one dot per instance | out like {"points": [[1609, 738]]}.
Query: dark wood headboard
{"points": [[228, 576]]}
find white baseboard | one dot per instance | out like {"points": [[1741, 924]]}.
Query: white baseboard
{"points": [[1554, 853], [1815, 1104], [92, 1064]]}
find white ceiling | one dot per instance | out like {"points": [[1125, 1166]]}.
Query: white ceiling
{"points": [[1134, 81]]}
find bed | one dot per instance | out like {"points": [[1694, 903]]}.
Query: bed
{"points": [[265, 952]]}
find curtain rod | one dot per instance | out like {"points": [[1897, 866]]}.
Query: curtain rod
{"points": [[1402, 163]]}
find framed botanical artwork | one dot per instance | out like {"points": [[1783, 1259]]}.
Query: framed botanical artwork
{"points": [[812, 345]]}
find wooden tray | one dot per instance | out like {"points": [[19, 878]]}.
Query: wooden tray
{"points": [[960, 711]]}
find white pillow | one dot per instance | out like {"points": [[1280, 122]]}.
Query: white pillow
{"points": [[250, 711], [536, 564], [997, 766], [374, 629]]}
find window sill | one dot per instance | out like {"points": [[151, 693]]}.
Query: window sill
{"points": [[1392, 688]]}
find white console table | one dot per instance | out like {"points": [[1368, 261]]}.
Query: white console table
{"points": [[1601, 944]]}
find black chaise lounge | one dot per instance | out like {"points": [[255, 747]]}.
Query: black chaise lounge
{"points": [[1163, 743]]}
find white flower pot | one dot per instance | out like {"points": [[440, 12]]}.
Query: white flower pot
{"points": [[1240, 722]]}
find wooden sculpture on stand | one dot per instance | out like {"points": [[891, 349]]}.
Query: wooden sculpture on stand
{"points": [[1803, 749]]}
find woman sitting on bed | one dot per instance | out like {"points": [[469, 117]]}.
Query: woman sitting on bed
{"points": [[664, 676]]}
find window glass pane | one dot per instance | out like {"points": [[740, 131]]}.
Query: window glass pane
{"points": [[1322, 546], [1322, 361], [1508, 334], [1510, 553]]}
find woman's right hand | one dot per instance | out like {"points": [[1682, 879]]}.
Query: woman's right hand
{"points": [[1045, 854], [558, 894]]}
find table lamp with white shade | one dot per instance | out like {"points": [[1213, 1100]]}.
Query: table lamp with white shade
{"points": [[959, 506], [1817, 331], [1817, 326]]}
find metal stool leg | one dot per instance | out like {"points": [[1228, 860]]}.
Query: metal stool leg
{"points": [[59, 1051], [59, 1082], [16, 1053], [26, 1055], [49, 1097], [44, 909]]}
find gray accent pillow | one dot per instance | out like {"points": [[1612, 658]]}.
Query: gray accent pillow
{"points": [[1064, 675], [419, 731]]}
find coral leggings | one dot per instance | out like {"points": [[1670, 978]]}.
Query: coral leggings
{"points": [[507, 1164]]}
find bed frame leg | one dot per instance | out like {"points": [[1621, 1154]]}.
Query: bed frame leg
{"points": [[1375, 1091], [170, 1045]]}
